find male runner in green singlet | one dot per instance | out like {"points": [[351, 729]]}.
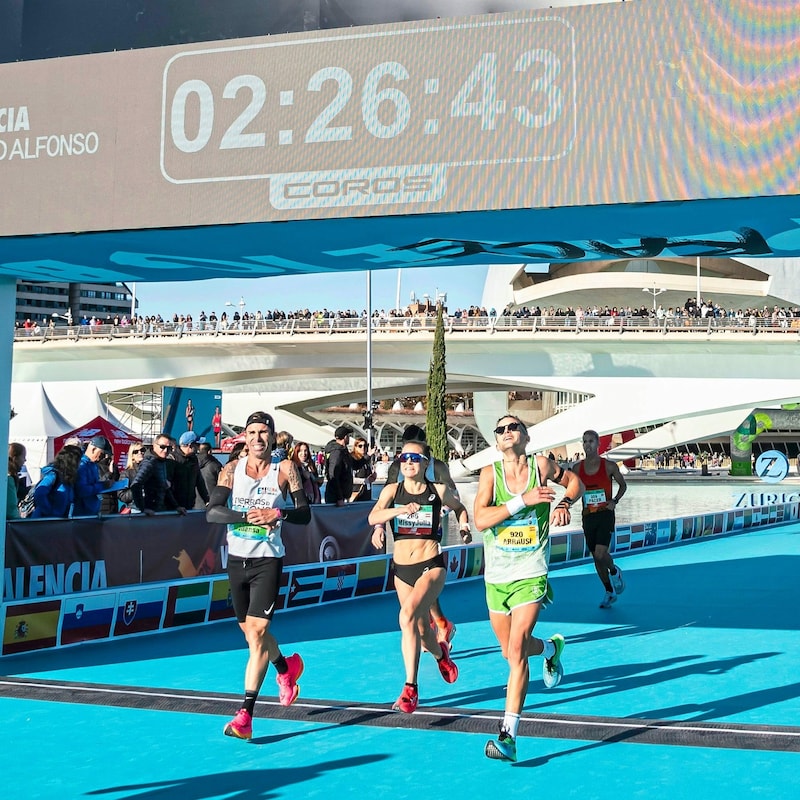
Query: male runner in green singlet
{"points": [[512, 508]]}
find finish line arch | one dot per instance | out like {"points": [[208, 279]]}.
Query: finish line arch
{"points": [[509, 138]]}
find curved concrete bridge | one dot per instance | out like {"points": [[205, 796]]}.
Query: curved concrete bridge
{"points": [[635, 377]]}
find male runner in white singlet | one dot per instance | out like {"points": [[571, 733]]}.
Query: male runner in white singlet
{"points": [[250, 497]]}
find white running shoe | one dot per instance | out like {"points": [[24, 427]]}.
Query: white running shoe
{"points": [[617, 582], [609, 598]]}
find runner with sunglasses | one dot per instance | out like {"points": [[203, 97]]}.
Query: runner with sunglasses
{"points": [[512, 508], [439, 472], [413, 507]]}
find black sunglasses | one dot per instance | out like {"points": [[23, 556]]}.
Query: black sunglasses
{"points": [[511, 427], [134, 452], [414, 458]]}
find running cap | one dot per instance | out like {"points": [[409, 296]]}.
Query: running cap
{"points": [[190, 437], [261, 417], [101, 443]]}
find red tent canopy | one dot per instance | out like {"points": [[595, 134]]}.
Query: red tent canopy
{"points": [[119, 438]]}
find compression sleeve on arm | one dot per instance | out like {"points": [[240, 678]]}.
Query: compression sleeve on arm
{"points": [[218, 510], [301, 513]]}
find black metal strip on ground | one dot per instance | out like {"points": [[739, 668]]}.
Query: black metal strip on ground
{"points": [[330, 712]]}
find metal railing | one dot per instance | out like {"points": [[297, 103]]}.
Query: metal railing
{"points": [[411, 325]]}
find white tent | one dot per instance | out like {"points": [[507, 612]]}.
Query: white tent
{"points": [[78, 401], [36, 424]]}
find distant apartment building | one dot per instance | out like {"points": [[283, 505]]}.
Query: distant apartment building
{"points": [[41, 302]]}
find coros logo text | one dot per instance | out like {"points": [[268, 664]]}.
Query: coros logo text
{"points": [[358, 187]]}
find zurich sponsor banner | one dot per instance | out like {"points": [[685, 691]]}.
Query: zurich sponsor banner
{"points": [[139, 610], [87, 617]]}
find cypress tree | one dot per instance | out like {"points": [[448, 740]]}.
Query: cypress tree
{"points": [[436, 416]]}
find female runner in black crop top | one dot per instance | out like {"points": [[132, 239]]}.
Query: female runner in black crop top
{"points": [[414, 507]]}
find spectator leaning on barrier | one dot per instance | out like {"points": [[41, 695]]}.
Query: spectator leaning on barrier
{"points": [[136, 454], [188, 485], [89, 484], [54, 494], [338, 467], [150, 488]]}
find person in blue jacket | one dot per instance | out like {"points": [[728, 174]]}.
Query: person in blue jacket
{"points": [[55, 492], [89, 485]]}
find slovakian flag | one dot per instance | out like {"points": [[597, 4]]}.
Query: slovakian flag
{"points": [[305, 586], [87, 617], [221, 603], [187, 604], [31, 626], [340, 580], [371, 576], [139, 610]]}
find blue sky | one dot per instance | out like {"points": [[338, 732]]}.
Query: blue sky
{"points": [[463, 286]]}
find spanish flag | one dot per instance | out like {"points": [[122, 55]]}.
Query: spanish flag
{"points": [[31, 626]]}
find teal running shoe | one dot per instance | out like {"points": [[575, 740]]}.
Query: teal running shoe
{"points": [[504, 748], [553, 669]]}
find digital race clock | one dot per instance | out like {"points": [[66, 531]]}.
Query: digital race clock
{"points": [[384, 116]]}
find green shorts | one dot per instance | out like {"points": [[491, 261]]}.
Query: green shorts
{"points": [[503, 598]]}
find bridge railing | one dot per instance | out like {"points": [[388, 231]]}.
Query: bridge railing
{"points": [[413, 324]]}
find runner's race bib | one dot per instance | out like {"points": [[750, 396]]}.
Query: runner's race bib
{"points": [[420, 523], [518, 537], [594, 499]]}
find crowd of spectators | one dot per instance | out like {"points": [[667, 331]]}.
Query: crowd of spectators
{"points": [[775, 316]]}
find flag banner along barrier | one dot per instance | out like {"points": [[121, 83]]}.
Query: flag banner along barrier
{"points": [[85, 612], [53, 557]]}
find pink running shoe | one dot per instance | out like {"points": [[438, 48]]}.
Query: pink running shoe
{"points": [[241, 726], [446, 664], [288, 690], [407, 702], [446, 634]]}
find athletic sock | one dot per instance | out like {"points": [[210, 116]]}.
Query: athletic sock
{"points": [[612, 571], [280, 664], [511, 724], [549, 649], [249, 704]]}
